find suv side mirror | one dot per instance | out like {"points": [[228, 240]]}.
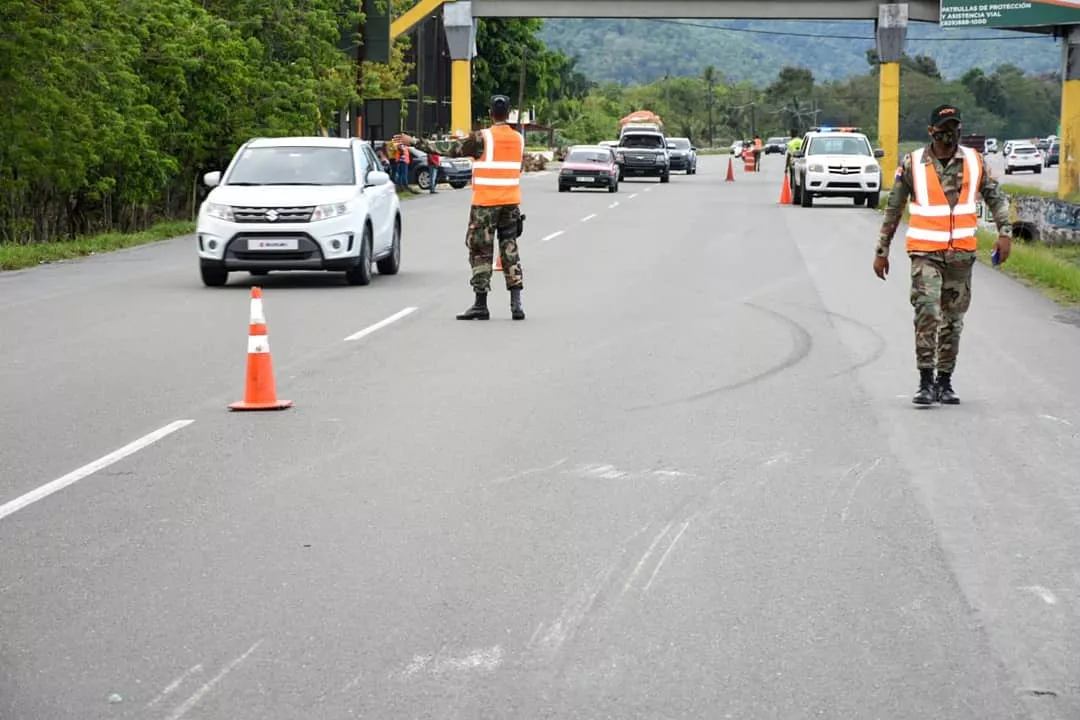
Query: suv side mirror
{"points": [[376, 178], [212, 179], [799, 153], [879, 153]]}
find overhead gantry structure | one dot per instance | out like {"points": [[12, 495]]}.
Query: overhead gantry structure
{"points": [[890, 19]]}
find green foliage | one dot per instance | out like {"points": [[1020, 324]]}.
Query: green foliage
{"points": [[642, 51], [113, 109], [1005, 103]]}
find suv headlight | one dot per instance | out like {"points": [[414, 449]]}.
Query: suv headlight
{"points": [[816, 168], [221, 212], [333, 210], [872, 168]]}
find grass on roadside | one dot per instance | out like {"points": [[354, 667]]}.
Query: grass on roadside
{"points": [[1053, 269], [16, 257]]}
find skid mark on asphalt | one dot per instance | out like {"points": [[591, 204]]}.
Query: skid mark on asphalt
{"points": [[594, 471], [174, 685], [199, 694], [802, 344]]}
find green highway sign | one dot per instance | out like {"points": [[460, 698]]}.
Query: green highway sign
{"points": [[1015, 14]]}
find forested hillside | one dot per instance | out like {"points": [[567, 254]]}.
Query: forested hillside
{"points": [[640, 51]]}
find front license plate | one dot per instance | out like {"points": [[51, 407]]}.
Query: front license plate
{"points": [[274, 244], [586, 179]]}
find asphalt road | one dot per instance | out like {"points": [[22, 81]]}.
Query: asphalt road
{"points": [[690, 485], [1045, 180]]}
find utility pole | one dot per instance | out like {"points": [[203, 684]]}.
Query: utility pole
{"points": [[667, 91], [420, 80], [710, 116], [521, 92]]}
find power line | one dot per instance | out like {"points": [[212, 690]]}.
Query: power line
{"points": [[866, 38]]}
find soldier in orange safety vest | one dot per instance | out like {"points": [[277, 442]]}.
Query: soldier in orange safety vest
{"points": [[942, 181], [498, 155]]}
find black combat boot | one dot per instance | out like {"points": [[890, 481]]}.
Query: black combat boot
{"points": [[945, 394], [516, 311], [927, 392], [479, 309]]}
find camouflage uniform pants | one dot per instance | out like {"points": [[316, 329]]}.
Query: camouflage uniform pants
{"points": [[485, 224], [940, 295]]}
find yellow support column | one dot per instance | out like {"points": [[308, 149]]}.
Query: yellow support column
{"points": [[461, 96], [889, 121], [1069, 163]]}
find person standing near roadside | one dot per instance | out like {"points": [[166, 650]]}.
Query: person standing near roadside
{"points": [[498, 156], [433, 169], [941, 181]]}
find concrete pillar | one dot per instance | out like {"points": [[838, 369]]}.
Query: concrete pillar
{"points": [[1069, 164], [461, 41], [891, 31]]}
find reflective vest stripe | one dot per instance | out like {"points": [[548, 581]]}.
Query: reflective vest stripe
{"points": [[934, 225], [497, 175]]}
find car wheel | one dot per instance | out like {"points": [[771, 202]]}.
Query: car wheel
{"points": [[564, 188], [806, 199], [259, 273], [458, 185], [796, 193], [665, 177], [858, 199], [390, 264], [423, 179], [214, 276], [873, 200], [361, 274]]}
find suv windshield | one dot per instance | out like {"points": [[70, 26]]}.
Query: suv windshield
{"points": [[775, 141], [294, 166], [839, 146], [602, 156], [681, 143], [642, 140]]}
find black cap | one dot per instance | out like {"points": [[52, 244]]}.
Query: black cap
{"points": [[944, 113], [500, 105]]}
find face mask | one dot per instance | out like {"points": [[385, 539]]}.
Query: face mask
{"points": [[949, 137]]}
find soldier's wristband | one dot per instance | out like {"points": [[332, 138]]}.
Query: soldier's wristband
{"points": [[881, 250]]}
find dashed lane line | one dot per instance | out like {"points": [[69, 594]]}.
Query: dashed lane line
{"points": [[381, 324], [90, 468]]}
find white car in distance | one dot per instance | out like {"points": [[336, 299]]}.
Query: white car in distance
{"points": [[300, 203], [836, 163], [1023, 156]]}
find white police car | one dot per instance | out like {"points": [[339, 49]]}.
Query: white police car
{"points": [[836, 162]]}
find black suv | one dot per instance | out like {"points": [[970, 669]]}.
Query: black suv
{"points": [[643, 153]]}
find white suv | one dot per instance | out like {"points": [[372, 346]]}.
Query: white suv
{"points": [[300, 203], [836, 163]]}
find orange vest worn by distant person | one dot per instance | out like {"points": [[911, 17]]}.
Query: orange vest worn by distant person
{"points": [[496, 177], [934, 225]]}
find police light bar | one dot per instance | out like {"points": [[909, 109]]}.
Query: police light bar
{"points": [[835, 129]]}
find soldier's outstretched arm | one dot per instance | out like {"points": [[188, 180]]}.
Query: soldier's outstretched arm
{"points": [[470, 146], [894, 209], [995, 198]]}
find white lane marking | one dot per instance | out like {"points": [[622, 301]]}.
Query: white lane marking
{"points": [[648, 189], [1056, 419], [552, 236], [613, 205], [207, 687], [484, 660], [588, 217], [171, 687], [663, 557], [1044, 593], [381, 324], [86, 470], [632, 196]]}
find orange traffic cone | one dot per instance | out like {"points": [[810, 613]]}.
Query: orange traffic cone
{"points": [[785, 192], [259, 391], [730, 171], [498, 261]]}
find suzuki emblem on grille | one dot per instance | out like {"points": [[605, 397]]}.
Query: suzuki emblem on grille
{"points": [[271, 215]]}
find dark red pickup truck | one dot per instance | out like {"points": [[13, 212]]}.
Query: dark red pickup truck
{"points": [[978, 142]]}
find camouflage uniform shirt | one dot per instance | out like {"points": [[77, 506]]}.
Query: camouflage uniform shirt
{"points": [[952, 176], [471, 146]]}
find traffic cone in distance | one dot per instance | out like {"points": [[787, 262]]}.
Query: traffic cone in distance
{"points": [[785, 192], [730, 171], [498, 261], [259, 390]]}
